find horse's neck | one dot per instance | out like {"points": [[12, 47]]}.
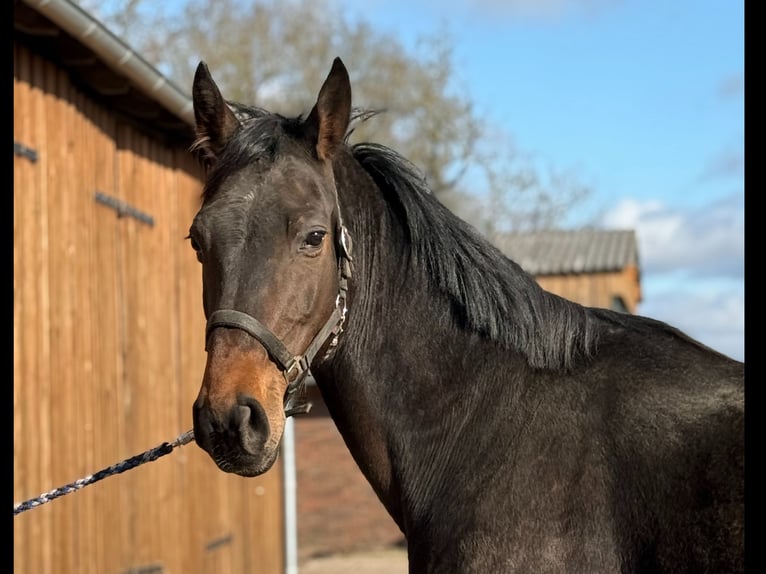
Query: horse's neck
{"points": [[403, 398], [399, 368], [398, 373]]}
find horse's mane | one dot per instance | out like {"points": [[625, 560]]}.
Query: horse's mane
{"points": [[490, 294]]}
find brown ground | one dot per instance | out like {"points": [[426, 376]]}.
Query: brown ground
{"points": [[386, 561]]}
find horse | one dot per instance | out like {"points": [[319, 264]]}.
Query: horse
{"points": [[503, 428]]}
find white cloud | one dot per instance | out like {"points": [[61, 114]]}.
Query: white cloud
{"points": [[546, 9], [711, 312], [692, 267], [727, 163], [500, 10], [706, 241]]}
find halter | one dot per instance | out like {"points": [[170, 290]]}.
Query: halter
{"points": [[295, 368]]}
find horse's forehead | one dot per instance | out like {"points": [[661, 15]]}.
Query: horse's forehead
{"points": [[283, 176], [294, 171], [290, 183]]}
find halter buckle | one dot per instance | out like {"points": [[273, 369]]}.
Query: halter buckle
{"points": [[340, 298], [345, 242], [296, 369]]}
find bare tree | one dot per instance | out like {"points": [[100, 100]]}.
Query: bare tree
{"points": [[274, 54]]}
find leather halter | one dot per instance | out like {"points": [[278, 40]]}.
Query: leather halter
{"points": [[295, 368]]}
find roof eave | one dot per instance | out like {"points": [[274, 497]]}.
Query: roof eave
{"points": [[117, 55]]}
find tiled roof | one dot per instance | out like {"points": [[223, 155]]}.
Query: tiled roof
{"points": [[580, 251]]}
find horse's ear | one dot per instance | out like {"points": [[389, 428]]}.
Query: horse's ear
{"points": [[215, 121], [328, 121]]}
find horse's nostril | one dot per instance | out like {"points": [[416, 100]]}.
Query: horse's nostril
{"points": [[249, 422]]}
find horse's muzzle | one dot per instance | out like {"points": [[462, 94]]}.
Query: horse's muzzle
{"points": [[236, 439]]}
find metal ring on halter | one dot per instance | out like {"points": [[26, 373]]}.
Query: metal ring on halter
{"points": [[345, 242]]}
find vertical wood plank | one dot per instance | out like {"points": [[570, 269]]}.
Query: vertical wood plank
{"points": [[35, 308], [124, 166], [98, 298], [31, 444], [61, 285]]}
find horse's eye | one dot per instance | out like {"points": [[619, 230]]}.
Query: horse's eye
{"points": [[314, 238], [195, 246], [193, 243]]}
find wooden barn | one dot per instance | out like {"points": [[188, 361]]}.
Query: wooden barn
{"points": [[338, 511], [594, 267], [108, 324]]}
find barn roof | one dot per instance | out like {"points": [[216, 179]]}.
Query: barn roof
{"points": [[104, 67], [561, 252]]}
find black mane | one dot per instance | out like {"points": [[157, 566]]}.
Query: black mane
{"points": [[491, 294], [255, 141]]}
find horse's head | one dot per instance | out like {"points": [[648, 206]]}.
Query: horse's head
{"points": [[275, 259]]}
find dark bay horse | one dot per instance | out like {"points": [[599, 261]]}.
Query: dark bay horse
{"points": [[504, 428]]}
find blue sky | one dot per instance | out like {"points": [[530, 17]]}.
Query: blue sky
{"points": [[644, 100]]}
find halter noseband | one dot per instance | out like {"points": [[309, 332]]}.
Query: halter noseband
{"points": [[295, 367]]}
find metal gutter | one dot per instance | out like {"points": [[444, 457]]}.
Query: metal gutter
{"points": [[118, 55]]}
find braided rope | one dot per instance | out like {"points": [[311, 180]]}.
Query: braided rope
{"points": [[148, 456]]}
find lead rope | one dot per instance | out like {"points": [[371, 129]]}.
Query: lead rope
{"points": [[148, 456]]}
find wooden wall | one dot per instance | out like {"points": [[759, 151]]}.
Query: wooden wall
{"points": [[597, 289], [108, 334]]}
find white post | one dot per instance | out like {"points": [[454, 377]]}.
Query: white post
{"points": [[290, 489]]}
